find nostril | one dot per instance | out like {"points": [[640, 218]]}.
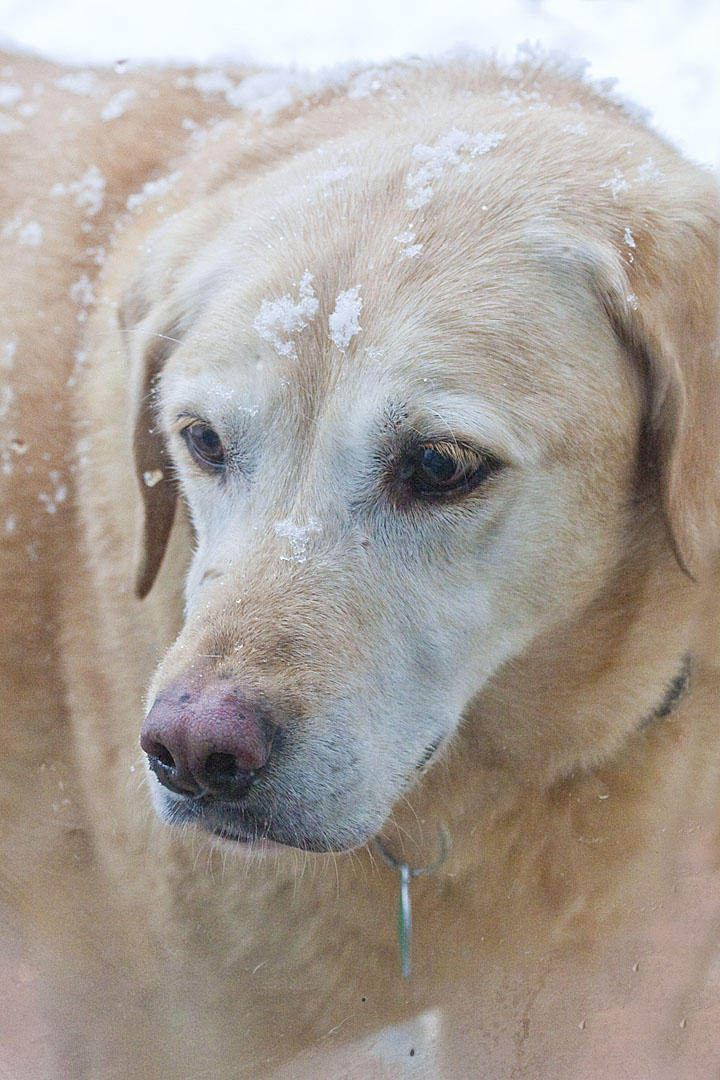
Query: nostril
{"points": [[225, 778], [170, 772], [221, 767], [163, 755]]}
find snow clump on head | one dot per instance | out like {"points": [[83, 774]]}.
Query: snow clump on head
{"points": [[298, 536], [617, 183], [344, 321], [283, 317], [647, 173], [410, 250], [333, 176], [446, 153]]}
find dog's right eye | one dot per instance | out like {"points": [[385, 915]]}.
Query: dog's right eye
{"points": [[205, 445]]}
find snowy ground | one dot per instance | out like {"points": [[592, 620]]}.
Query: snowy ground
{"points": [[665, 53]]}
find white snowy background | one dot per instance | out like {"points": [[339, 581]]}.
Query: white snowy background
{"points": [[664, 53]]}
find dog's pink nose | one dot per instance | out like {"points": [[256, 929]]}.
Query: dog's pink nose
{"points": [[204, 739]]}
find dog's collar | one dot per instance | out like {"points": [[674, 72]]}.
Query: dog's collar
{"points": [[674, 693]]}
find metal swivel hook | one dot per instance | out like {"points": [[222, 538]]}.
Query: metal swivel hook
{"points": [[404, 909]]}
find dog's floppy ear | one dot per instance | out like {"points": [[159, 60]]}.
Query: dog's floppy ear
{"points": [[661, 290], [149, 349]]}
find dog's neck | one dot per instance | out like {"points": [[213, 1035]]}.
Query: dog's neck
{"points": [[674, 690], [542, 814], [578, 694]]}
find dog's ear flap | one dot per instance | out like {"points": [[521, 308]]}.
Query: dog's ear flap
{"points": [[149, 349], [663, 298], [157, 484]]}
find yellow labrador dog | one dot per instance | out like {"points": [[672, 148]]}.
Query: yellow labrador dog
{"points": [[361, 459]]}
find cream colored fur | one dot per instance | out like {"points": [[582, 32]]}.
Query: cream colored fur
{"points": [[561, 313]]}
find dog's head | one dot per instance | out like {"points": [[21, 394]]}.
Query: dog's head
{"points": [[419, 404]]}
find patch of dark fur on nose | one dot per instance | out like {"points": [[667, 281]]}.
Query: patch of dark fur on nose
{"points": [[264, 647], [276, 650]]}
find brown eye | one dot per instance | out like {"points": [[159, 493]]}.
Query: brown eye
{"points": [[205, 445], [445, 468]]}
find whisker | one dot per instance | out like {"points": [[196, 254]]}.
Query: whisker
{"points": [[148, 333]]}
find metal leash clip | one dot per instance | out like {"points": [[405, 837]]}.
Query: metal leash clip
{"points": [[404, 909]]}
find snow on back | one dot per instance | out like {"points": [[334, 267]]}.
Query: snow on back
{"points": [[117, 104], [269, 92], [367, 83], [31, 234], [81, 83], [153, 189], [7, 355], [81, 293], [89, 191], [279, 319], [7, 397], [10, 94], [28, 233], [344, 321], [212, 82], [8, 124], [51, 501], [451, 151]]}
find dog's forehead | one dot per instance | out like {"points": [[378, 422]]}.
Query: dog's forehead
{"points": [[421, 275], [505, 337]]}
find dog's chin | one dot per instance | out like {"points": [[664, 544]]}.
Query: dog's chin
{"points": [[257, 848], [236, 826], [266, 843]]}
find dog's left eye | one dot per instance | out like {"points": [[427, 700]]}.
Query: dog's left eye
{"points": [[205, 445], [445, 468]]}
